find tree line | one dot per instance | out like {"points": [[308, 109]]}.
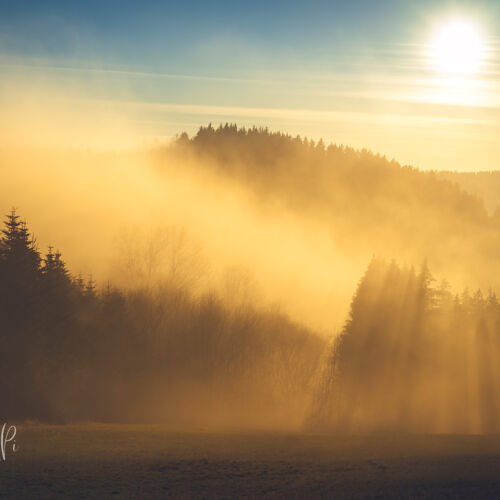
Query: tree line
{"points": [[412, 355], [74, 351]]}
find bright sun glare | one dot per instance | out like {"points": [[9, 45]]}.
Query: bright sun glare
{"points": [[457, 48]]}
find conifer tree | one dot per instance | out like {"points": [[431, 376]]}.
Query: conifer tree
{"points": [[19, 250]]}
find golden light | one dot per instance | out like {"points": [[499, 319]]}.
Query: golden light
{"points": [[457, 48]]}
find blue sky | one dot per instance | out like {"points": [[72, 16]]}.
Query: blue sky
{"points": [[170, 34], [350, 72]]}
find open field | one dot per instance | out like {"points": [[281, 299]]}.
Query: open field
{"points": [[118, 461]]}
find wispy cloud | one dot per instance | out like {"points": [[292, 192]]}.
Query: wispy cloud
{"points": [[314, 115]]}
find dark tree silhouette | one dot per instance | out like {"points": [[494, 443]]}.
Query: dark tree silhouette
{"points": [[71, 351], [410, 358]]}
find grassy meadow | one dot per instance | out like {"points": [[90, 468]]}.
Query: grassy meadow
{"points": [[135, 461]]}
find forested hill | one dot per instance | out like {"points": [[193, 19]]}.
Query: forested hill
{"points": [[370, 205], [483, 184]]}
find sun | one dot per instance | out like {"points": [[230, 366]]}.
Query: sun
{"points": [[457, 48]]}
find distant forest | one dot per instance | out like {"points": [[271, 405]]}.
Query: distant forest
{"points": [[369, 204], [485, 185]]}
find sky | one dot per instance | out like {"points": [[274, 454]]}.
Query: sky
{"points": [[112, 75]]}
